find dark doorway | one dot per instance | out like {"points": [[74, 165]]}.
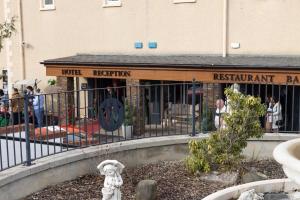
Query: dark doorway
{"points": [[102, 89]]}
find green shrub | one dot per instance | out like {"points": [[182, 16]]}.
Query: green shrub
{"points": [[6, 30], [223, 149]]}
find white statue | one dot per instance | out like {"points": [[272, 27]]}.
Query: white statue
{"points": [[251, 195], [219, 118], [113, 180], [236, 89]]}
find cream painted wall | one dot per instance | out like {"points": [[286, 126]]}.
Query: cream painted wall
{"points": [[2, 52], [16, 72], [83, 27], [190, 28], [87, 27], [10, 55], [265, 27]]}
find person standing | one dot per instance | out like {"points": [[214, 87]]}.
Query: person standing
{"points": [[3, 98], [4, 115], [276, 115], [221, 109], [110, 92], [269, 116], [17, 104], [38, 106], [30, 91], [30, 94]]}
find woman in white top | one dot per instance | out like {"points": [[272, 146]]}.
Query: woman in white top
{"points": [[276, 115], [221, 109]]}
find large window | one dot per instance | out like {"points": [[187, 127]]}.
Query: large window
{"points": [[47, 4], [111, 3]]}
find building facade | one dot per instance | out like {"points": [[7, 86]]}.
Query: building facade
{"points": [[202, 27], [251, 42]]}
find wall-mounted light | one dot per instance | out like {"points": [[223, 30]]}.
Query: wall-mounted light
{"points": [[235, 45]]}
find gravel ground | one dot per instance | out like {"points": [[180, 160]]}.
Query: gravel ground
{"points": [[174, 182]]}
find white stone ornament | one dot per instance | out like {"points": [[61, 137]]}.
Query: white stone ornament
{"points": [[287, 154], [112, 170], [236, 87], [251, 195]]}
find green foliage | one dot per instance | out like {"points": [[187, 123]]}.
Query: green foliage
{"points": [[128, 114], [6, 30], [223, 149], [51, 82], [207, 122]]}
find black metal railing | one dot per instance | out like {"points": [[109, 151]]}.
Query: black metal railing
{"points": [[35, 126]]}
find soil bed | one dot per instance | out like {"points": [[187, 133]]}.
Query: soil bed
{"points": [[174, 182]]}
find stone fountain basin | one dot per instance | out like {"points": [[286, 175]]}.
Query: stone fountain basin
{"points": [[288, 155], [267, 186]]}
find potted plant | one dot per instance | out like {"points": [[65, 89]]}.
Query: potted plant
{"points": [[51, 82], [127, 126]]}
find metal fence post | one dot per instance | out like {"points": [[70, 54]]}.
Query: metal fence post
{"points": [[193, 108], [27, 130]]}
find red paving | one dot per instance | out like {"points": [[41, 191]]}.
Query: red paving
{"points": [[44, 134], [15, 129], [90, 127]]}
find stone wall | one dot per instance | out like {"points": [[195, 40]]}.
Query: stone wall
{"points": [[66, 84], [211, 92], [134, 95]]}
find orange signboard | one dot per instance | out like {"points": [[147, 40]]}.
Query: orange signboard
{"points": [[180, 74]]}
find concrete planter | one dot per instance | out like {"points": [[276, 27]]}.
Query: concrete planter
{"points": [[274, 185], [52, 170], [288, 155]]}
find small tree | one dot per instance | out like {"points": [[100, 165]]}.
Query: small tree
{"points": [[223, 149], [6, 30]]}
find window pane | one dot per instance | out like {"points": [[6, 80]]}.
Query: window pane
{"points": [[48, 2]]}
